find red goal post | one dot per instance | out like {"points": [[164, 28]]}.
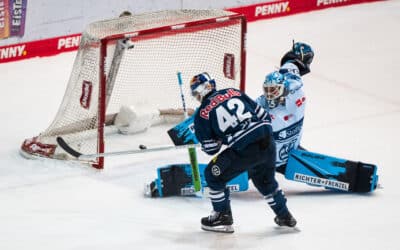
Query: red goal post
{"points": [[108, 74]]}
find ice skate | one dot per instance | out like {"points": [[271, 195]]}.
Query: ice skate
{"points": [[218, 222], [285, 221]]}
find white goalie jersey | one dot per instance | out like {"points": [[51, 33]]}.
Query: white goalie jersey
{"points": [[287, 117]]}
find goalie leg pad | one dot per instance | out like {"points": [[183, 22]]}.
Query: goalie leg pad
{"points": [[136, 119], [330, 172], [176, 180]]}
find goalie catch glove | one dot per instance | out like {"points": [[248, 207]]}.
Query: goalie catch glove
{"points": [[301, 55]]}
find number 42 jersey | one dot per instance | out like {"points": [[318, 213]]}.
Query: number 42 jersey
{"points": [[230, 117]]}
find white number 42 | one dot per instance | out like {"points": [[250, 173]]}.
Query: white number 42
{"points": [[226, 119]]}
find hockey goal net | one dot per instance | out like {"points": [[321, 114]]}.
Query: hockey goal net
{"points": [[133, 60]]}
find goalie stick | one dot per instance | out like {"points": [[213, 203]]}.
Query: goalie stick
{"points": [[191, 150], [142, 149]]}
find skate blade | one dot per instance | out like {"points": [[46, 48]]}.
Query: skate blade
{"points": [[287, 229], [218, 229]]}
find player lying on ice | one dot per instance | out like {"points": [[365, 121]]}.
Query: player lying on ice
{"points": [[283, 97]]}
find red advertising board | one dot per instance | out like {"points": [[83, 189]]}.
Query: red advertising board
{"points": [[289, 7], [46, 47], [54, 46]]}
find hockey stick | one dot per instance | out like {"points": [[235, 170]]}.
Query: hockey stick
{"points": [[142, 149], [191, 150]]}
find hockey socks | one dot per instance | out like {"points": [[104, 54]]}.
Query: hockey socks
{"points": [[277, 202], [220, 199]]}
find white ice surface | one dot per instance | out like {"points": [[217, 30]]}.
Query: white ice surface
{"points": [[353, 112]]}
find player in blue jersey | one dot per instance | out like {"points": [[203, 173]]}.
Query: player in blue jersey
{"points": [[229, 117], [285, 100]]}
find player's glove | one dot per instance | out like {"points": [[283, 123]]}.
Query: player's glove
{"points": [[301, 55]]}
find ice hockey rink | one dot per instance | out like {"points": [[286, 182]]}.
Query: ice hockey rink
{"points": [[353, 112]]}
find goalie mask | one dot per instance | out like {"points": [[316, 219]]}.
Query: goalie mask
{"points": [[275, 89], [201, 85]]}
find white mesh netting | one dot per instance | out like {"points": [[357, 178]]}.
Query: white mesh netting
{"points": [[143, 75]]}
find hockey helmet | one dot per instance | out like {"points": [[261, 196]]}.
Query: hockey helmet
{"points": [[201, 85], [275, 88]]}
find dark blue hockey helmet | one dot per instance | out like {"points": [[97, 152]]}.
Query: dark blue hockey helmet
{"points": [[201, 85]]}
